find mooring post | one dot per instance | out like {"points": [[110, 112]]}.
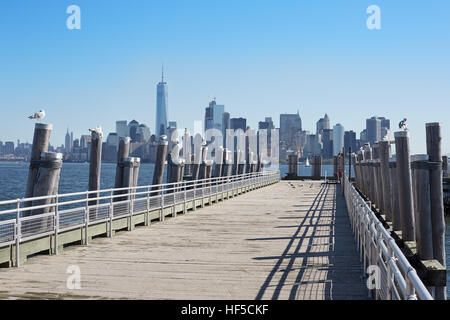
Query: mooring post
{"points": [[46, 183], [41, 140], [227, 163], [219, 162], [349, 163], [404, 181], [293, 165], [360, 158], [122, 153], [434, 138], [385, 178], [367, 170], [161, 155], [421, 191], [241, 163], [444, 166], [95, 165], [394, 198]]}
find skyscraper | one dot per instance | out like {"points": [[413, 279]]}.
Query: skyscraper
{"points": [[338, 138], [373, 129], [225, 123], [213, 116], [68, 142], [323, 123], [122, 128], [290, 124], [238, 123], [327, 142], [162, 106], [349, 141]]}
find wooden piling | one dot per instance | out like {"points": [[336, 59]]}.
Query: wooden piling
{"points": [[161, 155], [384, 147], [421, 196], [95, 165], [434, 138], [122, 153], [404, 181], [219, 162], [41, 140], [394, 198], [293, 165], [47, 181], [444, 166]]}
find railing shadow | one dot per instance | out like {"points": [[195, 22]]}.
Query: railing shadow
{"points": [[305, 258]]}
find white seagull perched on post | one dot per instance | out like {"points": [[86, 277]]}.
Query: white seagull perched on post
{"points": [[38, 115], [98, 130]]}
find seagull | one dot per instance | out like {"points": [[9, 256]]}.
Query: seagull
{"points": [[98, 130], [402, 124], [38, 115]]}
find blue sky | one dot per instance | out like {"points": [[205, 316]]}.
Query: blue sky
{"points": [[259, 58]]}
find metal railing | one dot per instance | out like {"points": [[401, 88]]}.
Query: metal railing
{"points": [[398, 279], [31, 218]]}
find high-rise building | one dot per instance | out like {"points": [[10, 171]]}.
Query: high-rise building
{"points": [[238, 123], [327, 143], [144, 132], [214, 116], [162, 107], [349, 141], [133, 130], [9, 148], [122, 129], [323, 123], [225, 123], [266, 124], [68, 142], [85, 141], [290, 124], [373, 129], [338, 138]]}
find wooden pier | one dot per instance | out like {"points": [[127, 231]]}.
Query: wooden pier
{"points": [[290, 240]]}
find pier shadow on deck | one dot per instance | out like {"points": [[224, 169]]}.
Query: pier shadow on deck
{"points": [[320, 260]]}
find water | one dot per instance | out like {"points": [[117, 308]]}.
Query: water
{"points": [[75, 177]]}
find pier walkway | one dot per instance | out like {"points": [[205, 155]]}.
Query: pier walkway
{"points": [[290, 240]]}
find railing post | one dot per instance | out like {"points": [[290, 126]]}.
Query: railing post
{"points": [[194, 205], [56, 224], [111, 213], [18, 234], [410, 291], [184, 196], [147, 215], [161, 217], [203, 193], [86, 234]]}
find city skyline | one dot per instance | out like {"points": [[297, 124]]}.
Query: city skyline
{"points": [[321, 59]]}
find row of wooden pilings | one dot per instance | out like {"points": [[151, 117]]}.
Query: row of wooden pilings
{"points": [[316, 167], [407, 192], [45, 167]]}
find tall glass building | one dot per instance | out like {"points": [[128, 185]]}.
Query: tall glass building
{"points": [[162, 106]]}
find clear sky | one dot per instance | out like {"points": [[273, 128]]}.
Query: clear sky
{"points": [[259, 58]]}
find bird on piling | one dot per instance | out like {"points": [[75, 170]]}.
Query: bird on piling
{"points": [[402, 125], [97, 130], [38, 116]]}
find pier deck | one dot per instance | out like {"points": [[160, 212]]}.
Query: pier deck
{"points": [[291, 240]]}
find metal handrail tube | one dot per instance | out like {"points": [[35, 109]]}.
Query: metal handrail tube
{"points": [[227, 182], [410, 285]]}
